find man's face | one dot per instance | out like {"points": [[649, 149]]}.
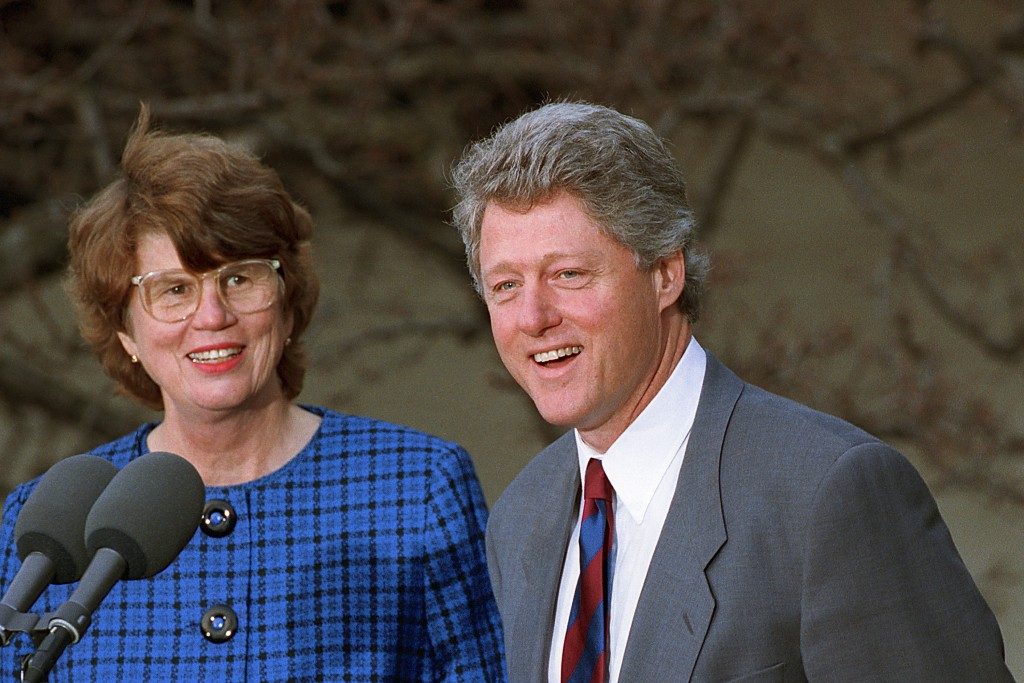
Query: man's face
{"points": [[575, 321]]}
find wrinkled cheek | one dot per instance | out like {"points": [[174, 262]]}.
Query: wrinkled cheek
{"points": [[505, 347]]}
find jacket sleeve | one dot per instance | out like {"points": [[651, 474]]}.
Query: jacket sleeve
{"points": [[493, 562], [885, 595], [462, 618]]}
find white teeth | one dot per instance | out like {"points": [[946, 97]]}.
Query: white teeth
{"points": [[214, 355], [554, 354]]}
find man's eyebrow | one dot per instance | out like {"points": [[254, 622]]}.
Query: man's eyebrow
{"points": [[512, 264]]}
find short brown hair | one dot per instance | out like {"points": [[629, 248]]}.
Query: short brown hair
{"points": [[217, 203]]}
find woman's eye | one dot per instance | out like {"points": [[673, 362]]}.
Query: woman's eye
{"points": [[175, 290], [236, 280]]}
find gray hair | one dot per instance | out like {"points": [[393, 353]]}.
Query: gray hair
{"points": [[618, 167]]}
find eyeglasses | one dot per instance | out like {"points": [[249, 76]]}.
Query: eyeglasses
{"points": [[246, 286]]}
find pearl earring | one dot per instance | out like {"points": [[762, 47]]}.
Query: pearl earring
{"points": [[135, 359]]}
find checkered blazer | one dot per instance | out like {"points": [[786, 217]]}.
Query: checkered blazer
{"points": [[360, 560]]}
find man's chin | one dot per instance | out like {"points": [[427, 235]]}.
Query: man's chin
{"points": [[558, 415]]}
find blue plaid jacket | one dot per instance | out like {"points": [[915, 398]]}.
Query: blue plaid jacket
{"points": [[360, 560]]}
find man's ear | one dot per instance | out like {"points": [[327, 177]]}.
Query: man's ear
{"points": [[670, 278]]}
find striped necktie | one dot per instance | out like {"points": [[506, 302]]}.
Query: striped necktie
{"points": [[585, 654]]}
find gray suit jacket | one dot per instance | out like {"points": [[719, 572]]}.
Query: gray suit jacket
{"points": [[796, 547]]}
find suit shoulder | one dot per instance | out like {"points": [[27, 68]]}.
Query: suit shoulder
{"points": [[775, 447], [774, 418], [550, 465]]}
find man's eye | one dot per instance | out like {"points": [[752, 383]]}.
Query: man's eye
{"points": [[569, 274], [506, 286]]}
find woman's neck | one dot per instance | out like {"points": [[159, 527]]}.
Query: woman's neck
{"points": [[233, 447]]}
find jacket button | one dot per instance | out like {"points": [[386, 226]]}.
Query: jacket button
{"points": [[219, 624], [219, 518]]}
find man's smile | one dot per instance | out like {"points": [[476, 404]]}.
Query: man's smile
{"points": [[554, 354]]}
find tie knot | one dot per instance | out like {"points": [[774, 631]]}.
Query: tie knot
{"points": [[597, 484]]}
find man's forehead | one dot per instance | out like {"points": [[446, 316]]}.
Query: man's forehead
{"points": [[583, 253]]}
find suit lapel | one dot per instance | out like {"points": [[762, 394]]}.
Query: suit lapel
{"points": [[676, 604], [541, 563]]}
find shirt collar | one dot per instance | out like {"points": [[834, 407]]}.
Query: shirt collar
{"points": [[638, 460]]}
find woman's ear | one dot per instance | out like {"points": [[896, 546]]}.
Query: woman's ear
{"points": [[130, 347]]}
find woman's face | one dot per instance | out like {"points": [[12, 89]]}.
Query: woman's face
{"points": [[214, 360]]}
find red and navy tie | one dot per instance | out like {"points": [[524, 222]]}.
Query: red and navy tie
{"points": [[585, 654]]}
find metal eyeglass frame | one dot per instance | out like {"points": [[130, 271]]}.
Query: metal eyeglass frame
{"points": [[274, 263]]}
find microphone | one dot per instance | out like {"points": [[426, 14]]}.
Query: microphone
{"points": [[136, 528], [50, 532]]}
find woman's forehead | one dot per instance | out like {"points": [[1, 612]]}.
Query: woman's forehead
{"points": [[156, 250]]}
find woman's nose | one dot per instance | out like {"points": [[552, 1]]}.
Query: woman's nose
{"points": [[211, 313]]}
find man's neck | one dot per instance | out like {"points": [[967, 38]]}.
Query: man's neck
{"points": [[676, 339]]}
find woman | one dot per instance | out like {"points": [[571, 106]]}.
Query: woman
{"points": [[332, 547]]}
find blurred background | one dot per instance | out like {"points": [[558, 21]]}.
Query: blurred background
{"points": [[857, 169]]}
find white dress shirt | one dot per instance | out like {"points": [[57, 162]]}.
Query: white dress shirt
{"points": [[643, 467]]}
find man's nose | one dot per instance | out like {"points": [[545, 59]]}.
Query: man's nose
{"points": [[539, 311]]}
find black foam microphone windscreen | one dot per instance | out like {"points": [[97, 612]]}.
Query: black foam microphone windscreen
{"points": [[148, 513], [52, 520], [138, 525]]}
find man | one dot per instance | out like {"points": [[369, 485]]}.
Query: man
{"points": [[725, 533]]}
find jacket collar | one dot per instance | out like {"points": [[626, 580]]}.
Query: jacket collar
{"points": [[668, 630], [542, 559]]}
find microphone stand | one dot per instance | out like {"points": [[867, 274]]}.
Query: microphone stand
{"points": [[68, 624], [35, 575], [14, 621], [35, 668]]}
